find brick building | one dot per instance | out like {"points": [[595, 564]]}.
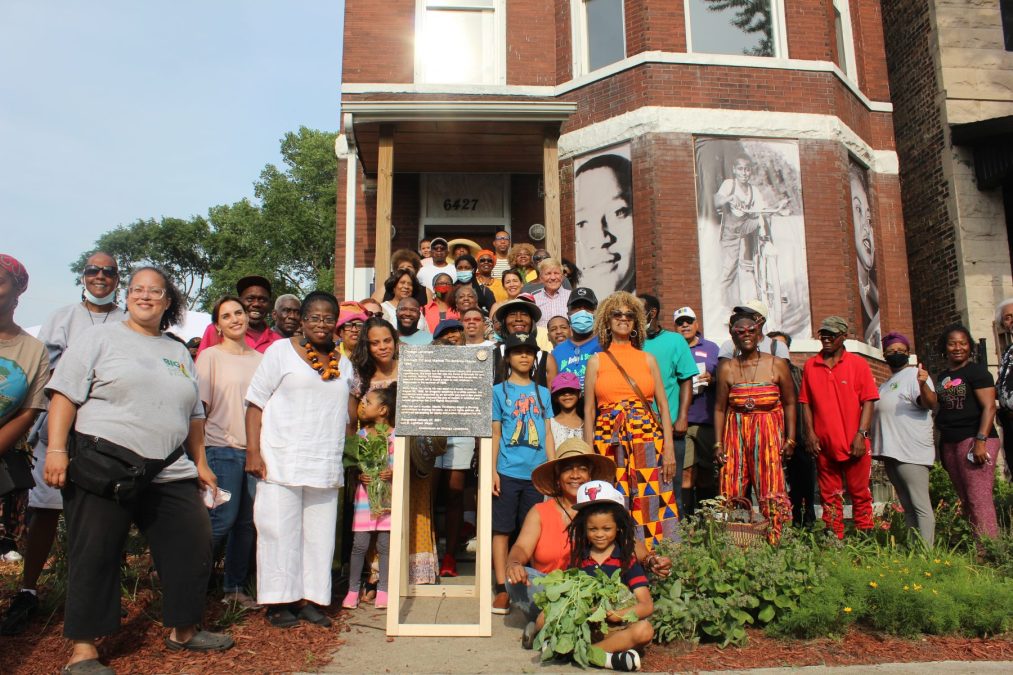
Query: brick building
{"points": [[951, 73], [747, 162]]}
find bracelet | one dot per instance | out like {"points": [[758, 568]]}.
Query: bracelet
{"points": [[717, 445], [651, 560], [790, 441], [62, 452]]}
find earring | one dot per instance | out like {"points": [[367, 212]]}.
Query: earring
{"points": [[633, 333], [219, 331]]}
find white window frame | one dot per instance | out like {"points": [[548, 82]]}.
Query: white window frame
{"points": [[578, 26], [780, 34], [497, 7], [849, 66]]}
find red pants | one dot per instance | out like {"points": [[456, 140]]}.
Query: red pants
{"points": [[833, 478]]}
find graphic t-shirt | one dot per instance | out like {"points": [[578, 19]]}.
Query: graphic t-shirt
{"points": [[902, 429], [701, 410], [23, 371], [522, 413], [959, 411], [572, 358]]}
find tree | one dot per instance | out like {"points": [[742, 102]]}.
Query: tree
{"points": [[288, 237], [178, 246], [751, 16]]}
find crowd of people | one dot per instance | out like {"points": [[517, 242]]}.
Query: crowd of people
{"points": [[608, 427]]}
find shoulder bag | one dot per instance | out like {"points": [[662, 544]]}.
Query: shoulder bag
{"points": [[636, 390], [16, 469], [112, 471]]}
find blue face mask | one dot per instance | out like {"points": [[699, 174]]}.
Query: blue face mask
{"points": [[464, 276], [582, 321]]}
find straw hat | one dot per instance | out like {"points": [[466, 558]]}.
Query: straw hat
{"points": [[544, 475], [473, 248]]}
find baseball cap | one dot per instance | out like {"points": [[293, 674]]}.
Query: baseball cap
{"points": [[515, 340], [565, 381], [597, 492], [252, 280], [582, 295], [754, 306], [834, 324], [438, 240], [447, 325], [684, 313]]}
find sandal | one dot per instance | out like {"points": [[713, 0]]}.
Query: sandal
{"points": [[281, 616], [202, 641], [369, 592], [87, 667]]}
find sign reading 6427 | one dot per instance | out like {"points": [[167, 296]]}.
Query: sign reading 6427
{"points": [[460, 204]]}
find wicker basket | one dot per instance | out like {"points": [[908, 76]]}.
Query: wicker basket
{"points": [[745, 526]]}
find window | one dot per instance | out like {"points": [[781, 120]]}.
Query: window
{"points": [[747, 27], [845, 41], [459, 42], [599, 35], [1006, 10]]}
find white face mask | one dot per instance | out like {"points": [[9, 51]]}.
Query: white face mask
{"points": [[107, 300]]}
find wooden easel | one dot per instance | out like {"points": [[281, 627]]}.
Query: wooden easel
{"points": [[398, 574]]}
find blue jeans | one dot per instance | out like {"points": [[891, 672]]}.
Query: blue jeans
{"points": [[523, 597], [234, 518]]}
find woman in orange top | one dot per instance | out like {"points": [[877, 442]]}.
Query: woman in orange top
{"points": [[620, 424]]}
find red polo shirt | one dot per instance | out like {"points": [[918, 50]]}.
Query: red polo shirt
{"points": [[835, 396]]}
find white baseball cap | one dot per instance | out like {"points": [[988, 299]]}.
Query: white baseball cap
{"points": [[683, 313], [754, 306], [596, 492]]}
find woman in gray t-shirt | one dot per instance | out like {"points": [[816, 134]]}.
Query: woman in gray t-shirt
{"points": [[130, 384]]}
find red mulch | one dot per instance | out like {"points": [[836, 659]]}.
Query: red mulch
{"points": [[856, 648], [139, 645]]}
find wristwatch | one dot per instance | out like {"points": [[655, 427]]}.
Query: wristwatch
{"points": [[864, 432], [980, 437]]}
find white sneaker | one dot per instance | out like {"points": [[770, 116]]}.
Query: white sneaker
{"points": [[472, 545], [12, 556]]}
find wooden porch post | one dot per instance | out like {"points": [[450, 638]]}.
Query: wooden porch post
{"points": [[550, 176], [384, 202]]}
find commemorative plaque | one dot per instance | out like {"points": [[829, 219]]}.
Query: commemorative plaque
{"points": [[443, 390]]}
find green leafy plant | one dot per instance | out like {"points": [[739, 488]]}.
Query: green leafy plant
{"points": [[576, 605], [373, 457]]}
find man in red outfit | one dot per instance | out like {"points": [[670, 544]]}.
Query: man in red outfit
{"points": [[837, 397]]}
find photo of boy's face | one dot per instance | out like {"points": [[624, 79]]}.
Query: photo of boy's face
{"points": [[865, 243], [603, 218]]}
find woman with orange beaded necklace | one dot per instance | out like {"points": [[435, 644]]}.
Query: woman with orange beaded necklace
{"points": [[296, 424]]}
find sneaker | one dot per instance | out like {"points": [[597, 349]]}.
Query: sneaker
{"points": [[627, 661], [23, 607], [351, 600], [448, 568], [381, 600], [528, 637], [472, 545], [12, 556], [501, 603]]}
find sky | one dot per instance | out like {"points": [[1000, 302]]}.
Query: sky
{"points": [[117, 110]]}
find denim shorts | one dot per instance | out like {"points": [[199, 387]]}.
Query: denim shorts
{"points": [[516, 498]]}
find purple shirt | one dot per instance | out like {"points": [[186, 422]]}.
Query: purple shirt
{"points": [[701, 410]]}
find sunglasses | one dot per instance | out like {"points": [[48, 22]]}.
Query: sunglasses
{"points": [[628, 316], [485, 260], [368, 313], [539, 258], [95, 270], [684, 321], [744, 330]]}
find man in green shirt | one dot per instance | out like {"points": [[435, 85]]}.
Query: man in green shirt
{"points": [[678, 368]]}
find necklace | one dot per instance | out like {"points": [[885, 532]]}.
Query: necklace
{"points": [[92, 318], [564, 509], [749, 403], [329, 372]]}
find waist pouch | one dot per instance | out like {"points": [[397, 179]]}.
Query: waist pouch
{"points": [[112, 471]]}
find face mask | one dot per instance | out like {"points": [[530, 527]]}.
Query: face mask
{"points": [[897, 360], [442, 289], [582, 321], [108, 300], [464, 276]]}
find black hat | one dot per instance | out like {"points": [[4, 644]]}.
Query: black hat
{"points": [[582, 294], [252, 280], [515, 340]]}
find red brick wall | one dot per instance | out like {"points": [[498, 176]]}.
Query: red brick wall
{"points": [[379, 43], [530, 34], [810, 30]]}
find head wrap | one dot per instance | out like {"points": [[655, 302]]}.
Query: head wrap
{"points": [[17, 271], [487, 252], [894, 337]]}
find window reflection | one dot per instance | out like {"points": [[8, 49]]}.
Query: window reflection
{"points": [[606, 42], [732, 27], [457, 47]]}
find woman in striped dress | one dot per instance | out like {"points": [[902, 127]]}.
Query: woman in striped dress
{"points": [[754, 416]]}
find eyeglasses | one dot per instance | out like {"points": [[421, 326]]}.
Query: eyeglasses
{"points": [[141, 291], [353, 326], [472, 319], [744, 330], [501, 238], [316, 318], [95, 270], [684, 321], [579, 467], [825, 335], [485, 260], [627, 316], [368, 313]]}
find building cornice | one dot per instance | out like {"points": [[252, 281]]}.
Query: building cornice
{"points": [[484, 111], [740, 61]]}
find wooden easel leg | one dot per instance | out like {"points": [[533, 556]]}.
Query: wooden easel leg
{"points": [[483, 557], [400, 523]]}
